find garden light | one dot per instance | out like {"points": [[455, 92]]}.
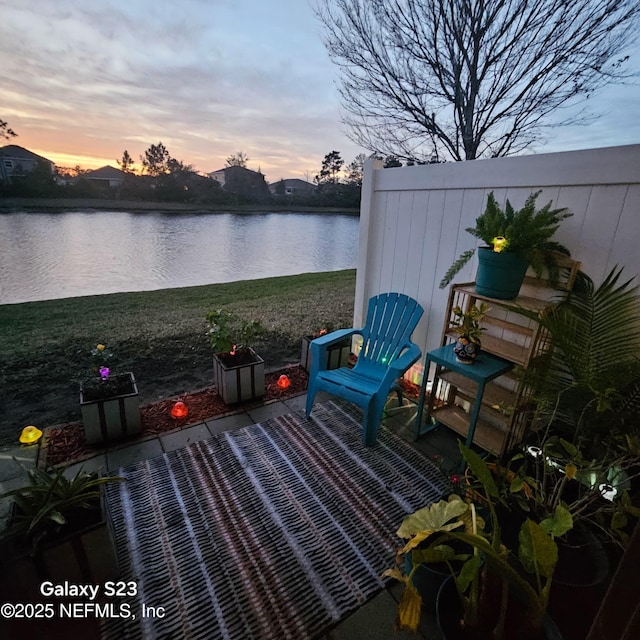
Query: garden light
{"points": [[500, 243], [283, 382], [179, 410], [608, 491], [30, 435]]}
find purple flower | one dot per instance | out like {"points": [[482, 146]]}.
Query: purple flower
{"points": [[104, 372]]}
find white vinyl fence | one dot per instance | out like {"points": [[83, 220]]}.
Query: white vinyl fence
{"points": [[413, 220]]}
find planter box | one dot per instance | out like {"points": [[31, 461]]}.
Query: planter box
{"points": [[111, 418], [239, 377], [337, 354], [85, 556]]}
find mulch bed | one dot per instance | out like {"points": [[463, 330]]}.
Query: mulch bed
{"points": [[66, 443]]}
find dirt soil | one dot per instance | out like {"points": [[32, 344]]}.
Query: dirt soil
{"points": [[168, 370]]}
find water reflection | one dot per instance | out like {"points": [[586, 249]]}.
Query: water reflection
{"points": [[47, 256]]}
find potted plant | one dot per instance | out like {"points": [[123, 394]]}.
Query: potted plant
{"points": [[58, 530], [238, 370], [109, 401], [337, 354], [467, 326], [514, 241], [490, 574]]}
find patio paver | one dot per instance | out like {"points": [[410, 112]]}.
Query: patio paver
{"points": [[178, 439], [229, 423], [136, 452]]}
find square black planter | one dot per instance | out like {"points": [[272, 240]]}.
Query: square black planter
{"points": [[238, 377], [112, 418], [337, 354]]}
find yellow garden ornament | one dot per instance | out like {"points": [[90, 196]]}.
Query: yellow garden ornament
{"points": [[500, 243], [30, 435]]}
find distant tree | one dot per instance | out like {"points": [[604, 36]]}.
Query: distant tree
{"points": [[5, 132], [71, 172], [330, 171], [155, 160], [237, 160], [37, 183], [177, 166], [355, 169], [126, 164], [391, 161], [471, 78]]}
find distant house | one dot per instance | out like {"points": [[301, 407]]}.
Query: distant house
{"points": [[241, 181], [292, 187], [18, 161], [106, 176]]}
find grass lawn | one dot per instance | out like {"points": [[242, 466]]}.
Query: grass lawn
{"points": [[159, 335]]}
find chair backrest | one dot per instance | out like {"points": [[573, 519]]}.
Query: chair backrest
{"points": [[391, 319]]}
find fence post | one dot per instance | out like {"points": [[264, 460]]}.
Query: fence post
{"points": [[364, 232]]}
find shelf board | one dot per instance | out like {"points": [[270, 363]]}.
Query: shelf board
{"points": [[486, 436], [526, 302], [509, 326], [505, 349], [493, 395]]}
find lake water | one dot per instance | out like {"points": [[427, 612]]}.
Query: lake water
{"points": [[46, 256]]}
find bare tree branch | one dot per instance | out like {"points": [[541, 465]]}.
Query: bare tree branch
{"points": [[471, 78]]}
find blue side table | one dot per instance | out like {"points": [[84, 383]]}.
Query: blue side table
{"points": [[486, 368]]}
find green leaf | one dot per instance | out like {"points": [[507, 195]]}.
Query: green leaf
{"points": [[559, 523], [538, 551], [468, 572], [480, 470], [440, 516]]}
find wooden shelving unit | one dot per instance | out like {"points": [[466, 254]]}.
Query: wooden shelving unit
{"points": [[503, 420]]}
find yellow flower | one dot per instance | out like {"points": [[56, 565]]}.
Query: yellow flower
{"points": [[100, 347], [571, 470]]}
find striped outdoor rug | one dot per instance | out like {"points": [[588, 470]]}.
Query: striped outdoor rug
{"points": [[278, 530]]}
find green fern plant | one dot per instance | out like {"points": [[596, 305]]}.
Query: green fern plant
{"points": [[527, 232]]}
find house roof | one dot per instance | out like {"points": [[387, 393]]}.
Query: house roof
{"points": [[294, 183], [15, 152], [234, 169], [105, 173]]}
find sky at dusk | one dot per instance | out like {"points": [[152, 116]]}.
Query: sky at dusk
{"points": [[81, 81]]}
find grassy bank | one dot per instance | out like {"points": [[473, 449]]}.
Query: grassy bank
{"points": [[53, 205], [159, 335]]}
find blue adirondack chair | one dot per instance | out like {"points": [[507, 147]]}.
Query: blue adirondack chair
{"points": [[387, 352]]}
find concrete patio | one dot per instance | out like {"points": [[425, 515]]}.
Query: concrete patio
{"points": [[373, 621]]}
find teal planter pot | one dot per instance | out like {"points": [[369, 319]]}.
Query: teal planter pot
{"points": [[500, 275]]}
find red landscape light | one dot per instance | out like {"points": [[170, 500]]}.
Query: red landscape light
{"points": [[179, 410], [283, 382]]}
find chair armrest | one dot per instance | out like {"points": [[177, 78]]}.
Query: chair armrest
{"points": [[319, 347], [335, 336], [399, 366]]}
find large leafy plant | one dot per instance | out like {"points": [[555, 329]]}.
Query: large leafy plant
{"points": [[587, 384], [228, 333], [526, 232], [557, 478], [529, 569], [45, 507]]}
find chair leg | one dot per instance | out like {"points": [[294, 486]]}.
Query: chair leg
{"points": [[371, 421], [311, 394]]}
